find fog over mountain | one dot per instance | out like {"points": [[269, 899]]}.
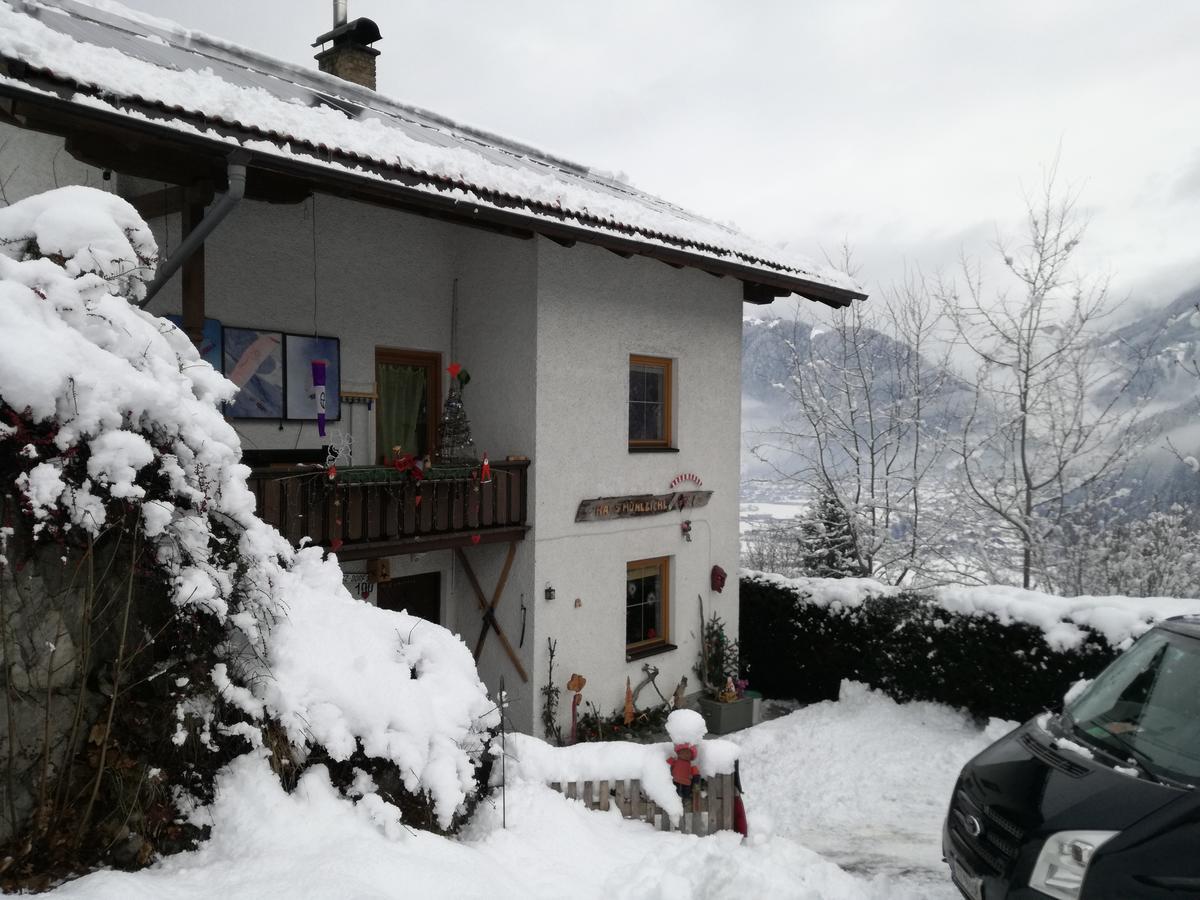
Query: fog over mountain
{"points": [[1166, 388]]}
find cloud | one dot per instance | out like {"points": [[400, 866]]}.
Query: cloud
{"points": [[1187, 187], [907, 127]]}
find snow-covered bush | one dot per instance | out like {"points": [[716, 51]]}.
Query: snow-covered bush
{"points": [[151, 622], [993, 651], [1140, 557]]}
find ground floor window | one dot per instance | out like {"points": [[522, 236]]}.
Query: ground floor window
{"points": [[647, 602]]}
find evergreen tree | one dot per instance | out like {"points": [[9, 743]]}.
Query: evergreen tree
{"points": [[828, 540]]}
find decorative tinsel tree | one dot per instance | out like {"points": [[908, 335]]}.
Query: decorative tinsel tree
{"points": [[454, 431]]}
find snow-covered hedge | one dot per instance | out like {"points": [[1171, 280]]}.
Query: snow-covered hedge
{"points": [[994, 651], [110, 424]]}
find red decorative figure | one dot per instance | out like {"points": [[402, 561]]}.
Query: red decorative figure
{"points": [[718, 579], [684, 771], [485, 470]]}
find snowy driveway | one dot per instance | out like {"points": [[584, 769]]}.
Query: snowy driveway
{"points": [[864, 782]]}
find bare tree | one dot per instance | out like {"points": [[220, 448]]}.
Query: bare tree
{"points": [[1036, 441], [860, 389]]}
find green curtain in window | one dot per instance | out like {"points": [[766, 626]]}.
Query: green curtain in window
{"points": [[401, 392]]}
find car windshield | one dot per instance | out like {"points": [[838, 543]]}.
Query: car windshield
{"points": [[1145, 707]]}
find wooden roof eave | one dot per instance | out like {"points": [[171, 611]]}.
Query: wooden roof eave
{"points": [[46, 105]]}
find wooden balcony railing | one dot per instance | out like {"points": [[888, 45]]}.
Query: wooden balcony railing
{"points": [[367, 511]]}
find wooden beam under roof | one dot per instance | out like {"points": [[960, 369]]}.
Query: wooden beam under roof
{"points": [[158, 204], [761, 294]]}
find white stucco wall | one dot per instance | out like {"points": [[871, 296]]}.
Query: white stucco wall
{"points": [[31, 162], [594, 310], [496, 340]]}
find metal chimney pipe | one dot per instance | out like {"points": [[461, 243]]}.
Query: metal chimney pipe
{"points": [[340, 12]]}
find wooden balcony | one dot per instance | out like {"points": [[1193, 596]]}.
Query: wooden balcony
{"points": [[369, 511]]}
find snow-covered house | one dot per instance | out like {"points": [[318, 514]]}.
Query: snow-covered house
{"points": [[302, 216]]}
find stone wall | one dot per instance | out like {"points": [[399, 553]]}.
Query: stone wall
{"points": [[48, 706], [62, 610]]}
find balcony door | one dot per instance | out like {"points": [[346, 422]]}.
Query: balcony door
{"points": [[410, 389], [421, 595]]}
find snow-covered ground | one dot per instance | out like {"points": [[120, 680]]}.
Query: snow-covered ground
{"points": [[861, 782], [864, 782], [757, 514]]}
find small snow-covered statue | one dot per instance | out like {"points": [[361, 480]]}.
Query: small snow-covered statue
{"points": [[686, 729], [684, 771]]}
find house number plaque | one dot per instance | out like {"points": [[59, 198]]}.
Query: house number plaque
{"points": [[603, 508]]}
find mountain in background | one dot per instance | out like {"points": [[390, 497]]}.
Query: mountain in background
{"points": [[1165, 388], [772, 347], [1168, 390]]}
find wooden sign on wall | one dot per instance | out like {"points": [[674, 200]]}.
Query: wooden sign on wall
{"points": [[604, 508]]}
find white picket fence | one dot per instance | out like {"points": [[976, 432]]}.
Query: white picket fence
{"points": [[711, 808]]}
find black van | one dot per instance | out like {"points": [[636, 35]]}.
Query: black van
{"points": [[1099, 802]]}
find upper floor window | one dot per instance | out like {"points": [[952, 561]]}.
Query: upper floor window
{"points": [[409, 386], [650, 410]]}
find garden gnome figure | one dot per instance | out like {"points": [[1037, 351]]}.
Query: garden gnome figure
{"points": [[686, 729], [729, 692]]}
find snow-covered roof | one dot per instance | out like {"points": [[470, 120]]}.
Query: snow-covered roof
{"points": [[153, 74]]}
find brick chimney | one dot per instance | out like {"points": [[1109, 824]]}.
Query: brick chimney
{"points": [[350, 55]]}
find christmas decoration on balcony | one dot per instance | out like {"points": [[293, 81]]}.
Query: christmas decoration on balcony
{"points": [[407, 465], [454, 430]]}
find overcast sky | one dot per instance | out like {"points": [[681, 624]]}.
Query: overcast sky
{"points": [[909, 128]]}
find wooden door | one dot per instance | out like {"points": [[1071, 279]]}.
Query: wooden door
{"points": [[421, 595]]}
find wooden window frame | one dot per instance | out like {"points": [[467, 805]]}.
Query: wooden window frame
{"points": [[668, 366], [426, 359], [663, 563]]}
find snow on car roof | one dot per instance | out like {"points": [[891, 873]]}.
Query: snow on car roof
{"points": [[128, 63]]}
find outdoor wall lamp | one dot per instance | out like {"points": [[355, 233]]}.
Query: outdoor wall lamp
{"points": [[686, 528], [549, 591]]}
